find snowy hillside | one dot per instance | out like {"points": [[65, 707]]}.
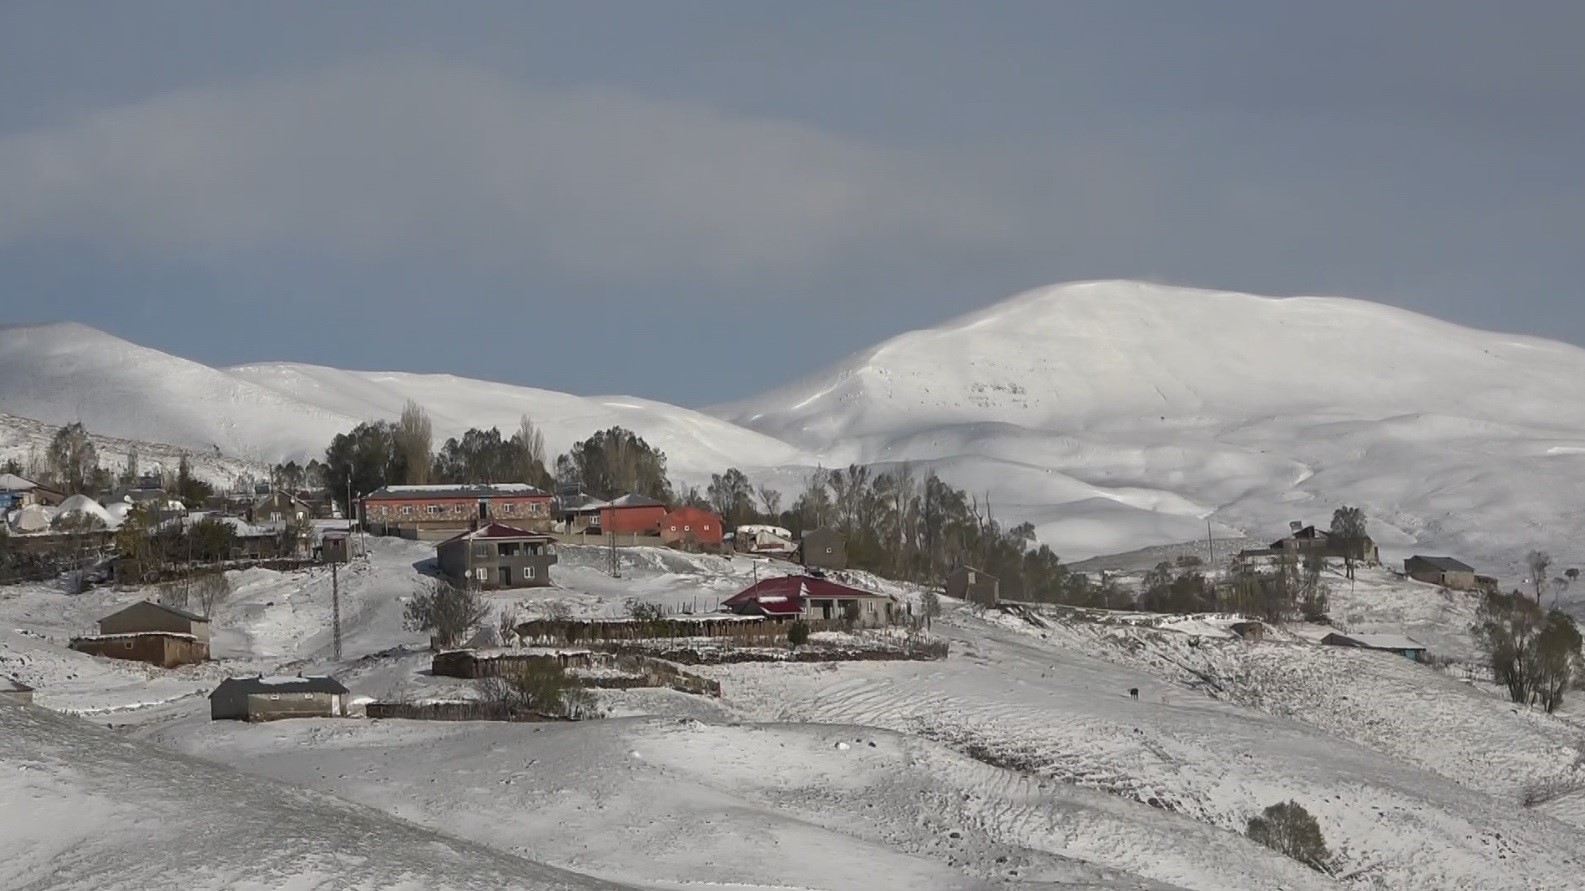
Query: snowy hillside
{"points": [[1018, 762], [1122, 414], [267, 413], [1114, 415], [27, 441]]}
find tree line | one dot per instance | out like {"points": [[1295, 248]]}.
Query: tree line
{"points": [[71, 465]]}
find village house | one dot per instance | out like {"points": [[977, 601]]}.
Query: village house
{"points": [[812, 598], [1444, 571], [1391, 643], [18, 492], [497, 556], [271, 698], [14, 692], [149, 632], [762, 539], [627, 515], [1303, 541], [430, 512], [973, 585], [279, 507], [823, 549], [691, 529], [335, 546]]}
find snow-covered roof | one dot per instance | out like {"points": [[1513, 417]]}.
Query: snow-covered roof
{"points": [[264, 684], [623, 501], [479, 490], [33, 518], [10, 482], [83, 505], [497, 530], [1445, 564], [1381, 641], [179, 613]]}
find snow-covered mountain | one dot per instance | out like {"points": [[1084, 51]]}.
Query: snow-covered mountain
{"points": [[271, 412], [1114, 414]]}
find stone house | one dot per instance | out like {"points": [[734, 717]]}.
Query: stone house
{"points": [[278, 508], [149, 632], [1444, 571], [432, 511], [973, 585], [497, 556], [823, 549], [271, 698]]}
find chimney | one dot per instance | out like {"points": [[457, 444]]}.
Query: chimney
{"points": [[1295, 525]]}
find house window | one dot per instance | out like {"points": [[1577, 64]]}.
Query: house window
{"points": [[275, 696], [706, 527], [685, 529], [674, 527], [308, 696], [481, 549], [434, 510], [528, 573], [407, 510], [126, 644], [828, 550]]}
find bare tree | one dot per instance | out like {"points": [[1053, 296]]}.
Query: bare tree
{"points": [[930, 606], [771, 499], [445, 610], [506, 625], [529, 443], [415, 442], [208, 590], [1348, 533], [539, 685], [1539, 562]]}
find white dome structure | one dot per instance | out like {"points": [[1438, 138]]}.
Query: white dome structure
{"points": [[33, 518], [118, 510], [81, 506]]}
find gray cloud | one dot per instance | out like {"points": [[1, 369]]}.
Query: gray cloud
{"points": [[405, 157]]}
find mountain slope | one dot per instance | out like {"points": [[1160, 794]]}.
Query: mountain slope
{"points": [[104, 811], [1117, 414], [61, 373]]}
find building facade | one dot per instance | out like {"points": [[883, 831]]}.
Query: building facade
{"points": [[497, 556], [691, 528], [393, 508], [813, 598], [627, 515], [1444, 571], [973, 585], [162, 648], [823, 549], [272, 698]]}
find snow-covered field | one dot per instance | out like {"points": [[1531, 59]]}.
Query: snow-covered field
{"points": [[1018, 762], [1113, 415]]}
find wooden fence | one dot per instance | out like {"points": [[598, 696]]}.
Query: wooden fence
{"points": [[640, 670], [455, 711], [744, 630]]}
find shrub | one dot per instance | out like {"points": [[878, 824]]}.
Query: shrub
{"points": [[798, 633], [444, 610], [540, 685], [1288, 829]]}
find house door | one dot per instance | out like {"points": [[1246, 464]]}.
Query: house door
{"points": [[484, 509], [504, 575]]}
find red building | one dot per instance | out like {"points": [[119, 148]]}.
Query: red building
{"points": [[812, 598], [691, 526], [456, 507], [628, 515]]}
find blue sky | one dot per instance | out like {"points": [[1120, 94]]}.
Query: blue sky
{"points": [[697, 201]]}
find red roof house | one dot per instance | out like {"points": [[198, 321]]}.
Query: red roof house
{"points": [[687, 526], [810, 597], [628, 514]]}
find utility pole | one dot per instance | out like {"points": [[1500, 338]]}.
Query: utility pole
{"points": [[1210, 544], [335, 613], [616, 567]]}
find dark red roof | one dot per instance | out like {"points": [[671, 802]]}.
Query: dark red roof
{"points": [[498, 530], [796, 588]]}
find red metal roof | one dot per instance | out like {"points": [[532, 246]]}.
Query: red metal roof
{"points": [[797, 587]]}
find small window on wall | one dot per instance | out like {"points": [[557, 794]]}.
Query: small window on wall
{"points": [[407, 510], [706, 527], [434, 510], [528, 573], [687, 529]]}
